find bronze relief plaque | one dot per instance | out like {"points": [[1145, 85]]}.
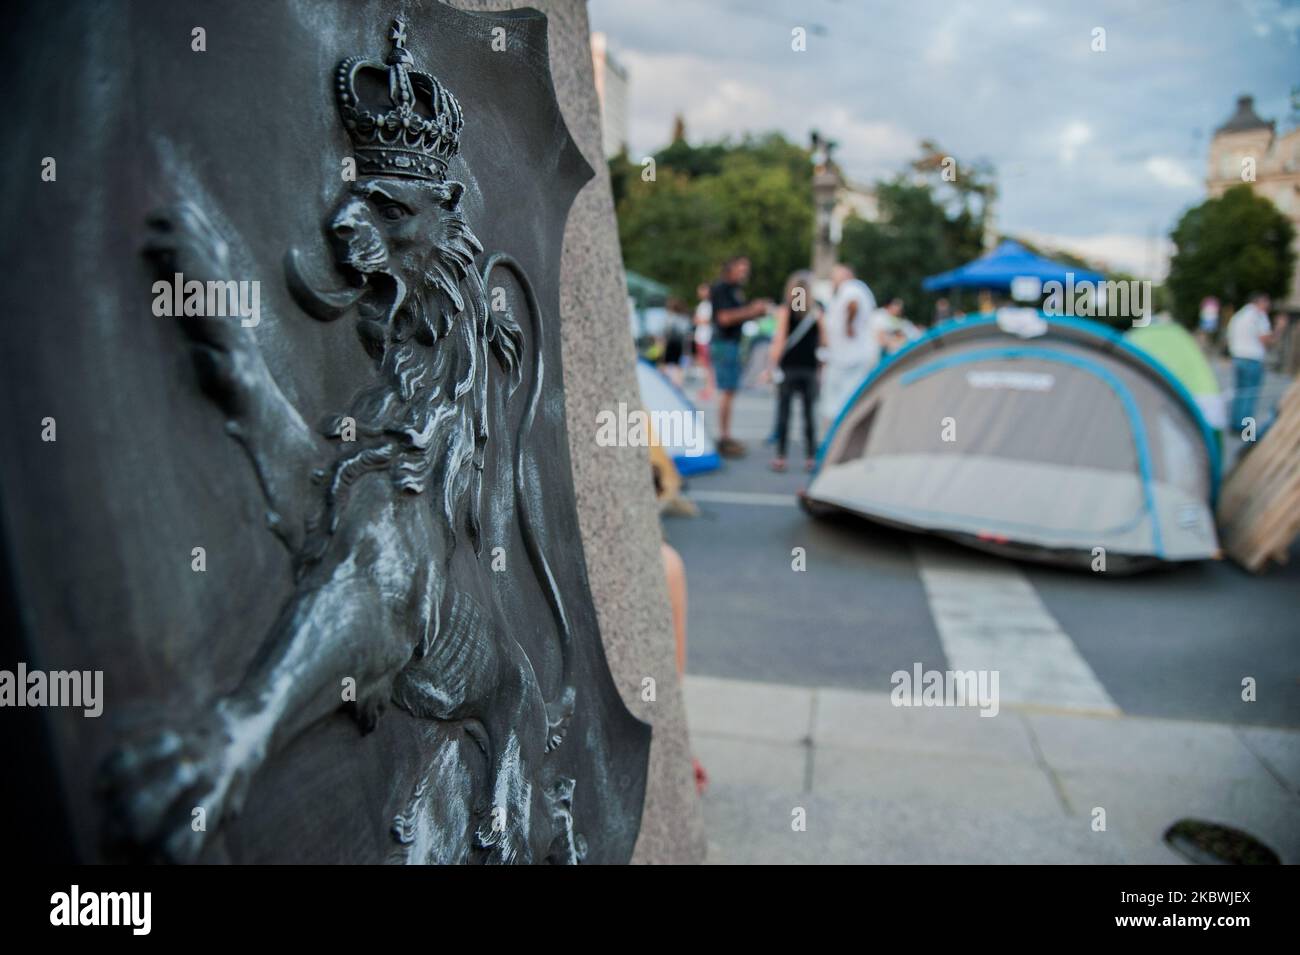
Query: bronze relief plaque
{"points": [[310, 507]]}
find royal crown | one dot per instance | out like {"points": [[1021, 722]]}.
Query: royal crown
{"points": [[416, 132]]}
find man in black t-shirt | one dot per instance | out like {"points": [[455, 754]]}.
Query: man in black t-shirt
{"points": [[730, 312]]}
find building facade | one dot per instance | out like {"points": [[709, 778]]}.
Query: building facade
{"points": [[1248, 149], [611, 90]]}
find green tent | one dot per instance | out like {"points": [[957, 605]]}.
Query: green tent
{"points": [[646, 293], [1175, 348]]}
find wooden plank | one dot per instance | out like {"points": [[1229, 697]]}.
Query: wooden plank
{"points": [[1259, 505]]}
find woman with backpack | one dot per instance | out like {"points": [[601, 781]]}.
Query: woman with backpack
{"points": [[792, 364]]}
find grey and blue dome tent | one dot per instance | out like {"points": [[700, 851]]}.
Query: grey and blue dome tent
{"points": [[678, 425], [1045, 448]]}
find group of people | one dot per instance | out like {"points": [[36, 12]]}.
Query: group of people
{"points": [[818, 350]]}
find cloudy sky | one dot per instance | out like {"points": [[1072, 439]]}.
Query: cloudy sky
{"points": [[1095, 151]]}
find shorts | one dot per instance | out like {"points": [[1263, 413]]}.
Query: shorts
{"points": [[725, 356], [673, 351]]}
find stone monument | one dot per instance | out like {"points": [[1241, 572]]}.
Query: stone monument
{"points": [[295, 472]]}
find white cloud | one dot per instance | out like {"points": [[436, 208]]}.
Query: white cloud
{"points": [[1269, 15], [1144, 256], [944, 47], [1075, 134], [718, 99], [1026, 17], [1171, 173]]}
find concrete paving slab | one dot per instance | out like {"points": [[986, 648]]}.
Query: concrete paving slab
{"points": [[974, 783], [881, 783], [1279, 748], [1145, 805], [741, 708], [870, 721], [1171, 747], [780, 767], [748, 825]]}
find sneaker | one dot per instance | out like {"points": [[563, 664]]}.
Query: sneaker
{"points": [[731, 448]]}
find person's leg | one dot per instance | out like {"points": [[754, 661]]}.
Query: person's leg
{"points": [[1255, 381], [1247, 375], [726, 364], [808, 398], [675, 572], [776, 421], [785, 392]]}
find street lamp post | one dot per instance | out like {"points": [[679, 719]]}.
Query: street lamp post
{"points": [[825, 184]]}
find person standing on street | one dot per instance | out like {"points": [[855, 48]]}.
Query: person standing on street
{"points": [[852, 344], [1249, 335], [730, 312], [792, 364]]}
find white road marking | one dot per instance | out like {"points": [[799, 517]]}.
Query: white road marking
{"points": [[989, 617], [743, 497]]}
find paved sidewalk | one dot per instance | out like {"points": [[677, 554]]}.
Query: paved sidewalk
{"points": [[888, 784]]}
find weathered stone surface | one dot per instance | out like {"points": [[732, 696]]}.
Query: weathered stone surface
{"points": [[616, 505]]}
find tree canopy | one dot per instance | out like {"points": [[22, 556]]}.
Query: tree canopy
{"points": [[711, 201], [1229, 247], [917, 234]]}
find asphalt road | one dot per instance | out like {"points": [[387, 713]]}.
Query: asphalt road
{"points": [[1174, 643]]}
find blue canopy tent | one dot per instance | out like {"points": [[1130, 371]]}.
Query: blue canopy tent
{"points": [[1009, 261]]}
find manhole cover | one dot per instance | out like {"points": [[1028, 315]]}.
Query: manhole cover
{"points": [[1208, 843]]}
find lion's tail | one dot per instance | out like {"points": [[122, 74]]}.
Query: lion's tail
{"points": [[528, 490]]}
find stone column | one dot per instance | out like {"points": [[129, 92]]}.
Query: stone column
{"points": [[616, 505]]}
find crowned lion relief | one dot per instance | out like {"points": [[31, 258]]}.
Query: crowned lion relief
{"points": [[372, 504]]}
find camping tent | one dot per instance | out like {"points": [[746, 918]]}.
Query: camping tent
{"points": [[1175, 348], [645, 292], [678, 426], [1046, 447], [999, 268]]}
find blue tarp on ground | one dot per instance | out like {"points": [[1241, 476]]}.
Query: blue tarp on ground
{"points": [[1009, 261]]}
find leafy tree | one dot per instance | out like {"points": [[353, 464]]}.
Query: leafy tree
{"points": [[962, 187], [1229, 247], [622, 173], [671, 232], [917, 235], [766, 214], [714, 200], [692, 161]]}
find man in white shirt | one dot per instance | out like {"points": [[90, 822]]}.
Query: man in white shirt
{"points": [[1249, 335], [853, 344]]}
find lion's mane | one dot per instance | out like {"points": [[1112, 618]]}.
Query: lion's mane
{"points": [[424, 420]]}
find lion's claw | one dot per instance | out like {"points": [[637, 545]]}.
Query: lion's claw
{"points": [[559, 713], [168, 792]]}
